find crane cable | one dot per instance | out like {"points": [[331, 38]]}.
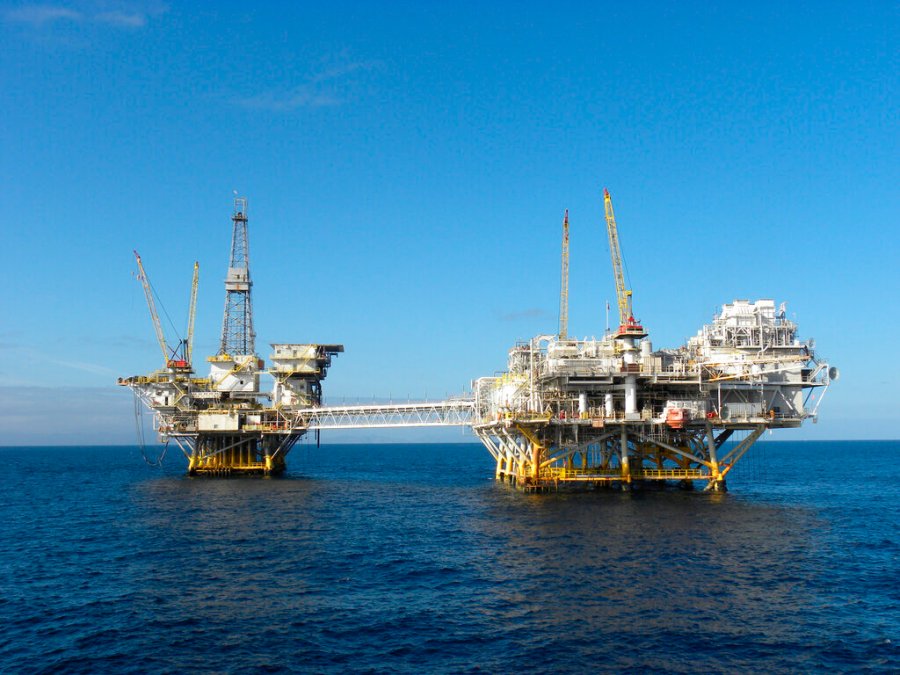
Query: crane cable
{"points": [[139, 426], [163, 307]]}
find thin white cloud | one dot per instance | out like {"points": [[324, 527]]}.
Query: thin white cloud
{"points": [[303, 96], [11, 339], [28, 355], [83, 366], [122, 18], [78, 415], [40, 15], [341, 69], [114, 14], [319, 90]]}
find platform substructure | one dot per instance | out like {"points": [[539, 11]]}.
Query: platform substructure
{"points": [[625, 456], [261, 442], [236, 454]]}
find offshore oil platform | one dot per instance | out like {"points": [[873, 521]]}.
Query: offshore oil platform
{"points": [[224, 423], [567, 412], [615, 412]]}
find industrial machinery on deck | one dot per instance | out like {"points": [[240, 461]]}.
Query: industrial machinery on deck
{"points": [[225, 423], [590, 412], [615, 412]]}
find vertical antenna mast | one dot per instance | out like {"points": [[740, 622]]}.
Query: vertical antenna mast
{"points": [[564, 284], [237, 324]]}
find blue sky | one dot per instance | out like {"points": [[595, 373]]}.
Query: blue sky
{"points": [[407, 166]]}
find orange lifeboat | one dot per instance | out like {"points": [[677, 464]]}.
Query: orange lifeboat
{"points": [[675, 418]]}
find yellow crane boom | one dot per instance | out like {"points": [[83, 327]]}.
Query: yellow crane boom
{"points": [[627, 323], [623, 295], [148, 293]]}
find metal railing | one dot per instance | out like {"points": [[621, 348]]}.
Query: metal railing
{"points": [[563, 473], [673, 474], [459, 412]]}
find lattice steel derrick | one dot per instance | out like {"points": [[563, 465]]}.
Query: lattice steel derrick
{"points": [[237, 324]]}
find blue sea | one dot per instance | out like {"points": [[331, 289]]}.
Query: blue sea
{"points": [[410, 559]]}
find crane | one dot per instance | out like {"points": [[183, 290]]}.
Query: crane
{"points": [[179, 358], [564, 283], [192, 312], [628, 326], [148, 293]]}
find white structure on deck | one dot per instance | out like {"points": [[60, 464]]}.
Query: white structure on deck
{"points": [[616, 411]]}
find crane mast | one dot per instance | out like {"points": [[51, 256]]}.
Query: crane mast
{"points": [[192, 312], [154, 316], [564, 283], [627, 323], [179, 358]]}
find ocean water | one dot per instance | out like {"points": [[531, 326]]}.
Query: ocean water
{"points": [[409, 558]]}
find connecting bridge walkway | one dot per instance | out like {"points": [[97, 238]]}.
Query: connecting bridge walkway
{"points": [[453, 412]]}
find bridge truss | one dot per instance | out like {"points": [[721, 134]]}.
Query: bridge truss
{"points": [[453, 412]]}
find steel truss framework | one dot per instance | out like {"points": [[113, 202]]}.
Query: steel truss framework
{"points": [[264, 448], [454, 412], [532, 453], [237, 321], [619, 455], [226, 454]]}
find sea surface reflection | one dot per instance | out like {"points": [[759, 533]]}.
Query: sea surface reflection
{"points": [[410, 559]]}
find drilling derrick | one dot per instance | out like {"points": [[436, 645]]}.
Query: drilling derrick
{"points": [[227, 423], [237, 323]]}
